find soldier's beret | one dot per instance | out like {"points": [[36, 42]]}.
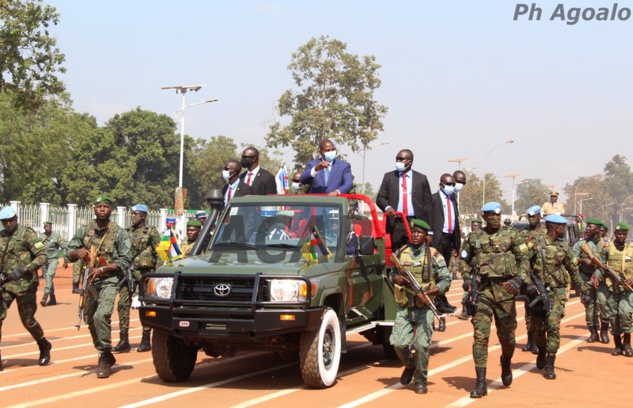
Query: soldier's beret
{"points": [[534, 210], [7, 213], [104, 199], [594, 221], [477, 221], [415, 223], [621, 226], [170, 220], [194, 223], [605, 226], [553, 193], [556, 219], [201, 214], [48, 223], [491, 207], [140, 207]]}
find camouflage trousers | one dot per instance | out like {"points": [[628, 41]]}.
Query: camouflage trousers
{"points": [[48, 270], [98, 313], [413, 329], [621, 304], [592, 307], [546, 326], [505, 318], [27, 305], [124, 306]]}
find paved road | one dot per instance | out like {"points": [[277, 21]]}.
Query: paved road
{"points": [[587, 373]]}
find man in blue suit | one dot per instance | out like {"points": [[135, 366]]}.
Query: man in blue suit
{"points": [[328, 174]]}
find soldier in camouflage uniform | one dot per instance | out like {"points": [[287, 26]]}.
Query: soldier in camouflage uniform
{"points": [[530, 235], [553, 265], [464, 268], [500, 256], [145, 239], [54, 243], [413, 328], [597, 248], [193, 230], [21, 255], [620, 259], [113, 247]]}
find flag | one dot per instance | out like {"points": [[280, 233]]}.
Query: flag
{"points": [[168, 248], [314, 249], [282, 180]]}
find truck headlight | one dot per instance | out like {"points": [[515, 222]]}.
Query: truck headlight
{"points": [[288, 290], [160, 287]]}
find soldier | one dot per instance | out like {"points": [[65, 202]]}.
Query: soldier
{"points": [[620, 259], [464, 268], [78, 268], [604, 231], [530, 235], [553, 206], [54, 243], [594, 246], [553, 265], [413, 328], [201, 216], [113, 246], [22, 254], [145, 239], [499, 254], [193, 230]]}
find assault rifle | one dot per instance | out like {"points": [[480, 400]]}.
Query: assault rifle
{"points": [[472, 299], [617, 279], [542, 293], [128, 280], [419, 292], [85, 287]]}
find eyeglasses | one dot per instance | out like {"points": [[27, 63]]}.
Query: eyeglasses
{"points": [[226, 168], [449, 184], [247, 157], [401, 158]]}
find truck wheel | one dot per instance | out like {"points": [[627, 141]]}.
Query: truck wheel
{"points": [[173, 359], [320, 352]]}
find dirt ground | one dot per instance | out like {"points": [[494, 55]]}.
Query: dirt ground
{"points": [[587, 373]]}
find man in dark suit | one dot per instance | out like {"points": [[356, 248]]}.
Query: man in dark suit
{"points": [[446, 232], [328, 174], [262, 181], [235, 187], [414, 187]]}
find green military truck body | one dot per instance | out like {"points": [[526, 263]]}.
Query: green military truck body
{"points": [[253, 288]]}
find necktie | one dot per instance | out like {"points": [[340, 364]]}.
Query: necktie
{"points": [[326, 174], [405, 204], [248, 180], [450, 214], [228, 197]]}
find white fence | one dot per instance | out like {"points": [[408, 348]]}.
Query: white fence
{"points": [[66, 220]]}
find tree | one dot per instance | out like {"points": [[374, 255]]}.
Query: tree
{"points": [[29, 58], [471, 196], [531, 192], [335, 100]]}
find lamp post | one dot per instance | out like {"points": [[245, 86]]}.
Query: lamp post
{"points": [[575, 190], [483, 194], [459, 161], [364, 151], [513, 177], [576, 199], [581, 200]]}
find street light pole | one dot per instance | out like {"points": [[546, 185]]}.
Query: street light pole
{"points": [[583, 199], [483, 194], [513, 177], [575, 190]]}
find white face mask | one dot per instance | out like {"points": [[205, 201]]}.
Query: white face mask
{"points": [[459, 187], [400, 166], [296, 186], [226, 174], [449, 190], [330, 156]]}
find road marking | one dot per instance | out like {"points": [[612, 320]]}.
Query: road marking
{"points": [[54, 349], [60, 329]]}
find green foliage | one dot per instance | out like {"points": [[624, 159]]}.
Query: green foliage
{"points": [[29, 58], [470, 198], [529, 193], [335, 100]]}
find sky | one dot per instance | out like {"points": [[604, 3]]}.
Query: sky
{"points": [[460, 78]]}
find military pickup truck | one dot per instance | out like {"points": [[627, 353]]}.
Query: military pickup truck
{"points": [[292, 275]]}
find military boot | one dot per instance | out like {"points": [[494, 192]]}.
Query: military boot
{"points": [[549, 367], [407, 375], [75, 287], [45, 351], [52, 301], [106, 361], [463, 315], [481, 388], [530, 343], [145, 345], [506, 370], [124, 345], [626, 347], [593, 336], [540, 358], [44, 300], [604, 333], [618, 345]]}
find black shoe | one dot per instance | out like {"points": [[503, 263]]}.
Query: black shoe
{"points": [[540, 359], [549, 367], [481, 388], [45, 351], [604, 337], [407, 375], [506, 370], [420, 388], [52, 301], [593, 337], [145, 344], [44, 300], [123, 346], [106, 361]]}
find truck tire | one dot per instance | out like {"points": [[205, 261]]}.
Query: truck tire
{"points": [[320, 352], [173, 359]]}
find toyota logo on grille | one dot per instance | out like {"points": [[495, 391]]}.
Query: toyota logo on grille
{"points": [[222, 289]]}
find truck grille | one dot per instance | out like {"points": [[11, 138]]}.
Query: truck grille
{"points": [[216, 289]]}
